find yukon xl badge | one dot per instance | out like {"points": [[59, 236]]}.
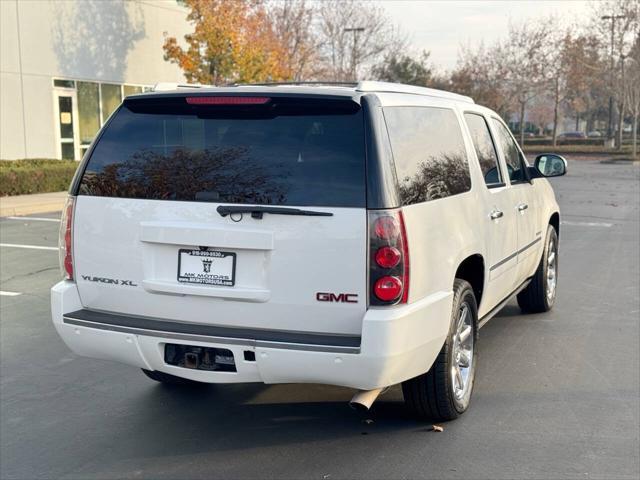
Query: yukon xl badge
{"points": [[339, 297], [111, 281]]}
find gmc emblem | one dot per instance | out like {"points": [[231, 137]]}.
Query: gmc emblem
{"points": [[340, 297]]}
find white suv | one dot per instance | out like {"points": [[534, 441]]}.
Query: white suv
{"points": [[354, 235]]}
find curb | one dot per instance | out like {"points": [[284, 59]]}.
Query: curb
{"points": [[32, 204], [30, 209], [620, 161]]}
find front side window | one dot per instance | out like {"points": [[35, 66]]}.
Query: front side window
{"points": [[485, 149], [429, 153], [512, 157]]}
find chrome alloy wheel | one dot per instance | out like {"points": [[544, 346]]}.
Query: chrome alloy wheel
{"points": [[552, 270], [462, 351]]}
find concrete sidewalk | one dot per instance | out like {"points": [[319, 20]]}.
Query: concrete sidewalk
{"points": [[30, 204]]}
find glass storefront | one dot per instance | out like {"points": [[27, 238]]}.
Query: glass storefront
{"points": [[95, 102], [111, 96], [132, 90], [88, 111]]}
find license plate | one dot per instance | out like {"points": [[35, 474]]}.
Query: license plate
{"points": [[207, 267]]}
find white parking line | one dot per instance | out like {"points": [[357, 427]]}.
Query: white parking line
{"points": [[35, 219], [9, 294], [587, 224], [32, 247]]}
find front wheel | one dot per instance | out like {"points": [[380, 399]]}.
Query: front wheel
{"points": [[540, 294], [444, 392]]}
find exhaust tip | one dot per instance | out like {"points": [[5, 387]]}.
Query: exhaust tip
{"points": [[359, 407], [363, 399]]}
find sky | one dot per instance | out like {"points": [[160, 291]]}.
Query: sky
{"points": [[441, 27]]}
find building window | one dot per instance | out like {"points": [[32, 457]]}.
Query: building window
{"points": [[57, 82], [96, 102], [111, 96], [88, 111], [130, 90]]}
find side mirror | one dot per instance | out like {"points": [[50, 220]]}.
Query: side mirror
{"points": [[550, 165]]}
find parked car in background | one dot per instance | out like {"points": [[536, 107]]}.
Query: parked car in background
{"points": [[355, 236], [571, 135], [595, 134]]}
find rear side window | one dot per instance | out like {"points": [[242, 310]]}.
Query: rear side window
{"points": [[512, 157], [485, 149], [294, 158], [429, 153]]}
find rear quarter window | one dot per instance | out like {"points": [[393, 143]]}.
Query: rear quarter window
{"points": [[301, 157], [429, 153]]}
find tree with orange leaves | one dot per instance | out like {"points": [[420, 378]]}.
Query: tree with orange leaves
{"points": [[233, 41]]}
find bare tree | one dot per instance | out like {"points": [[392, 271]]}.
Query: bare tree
{"points": [[353, 36], [632, 92], [582, 65], [572, 68], [525, 55], [293, 23], [616, 23], [542, 113], [556, 73], [480, 75]]}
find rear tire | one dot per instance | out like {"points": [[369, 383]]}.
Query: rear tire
{"points": [[169, 379], [444, 392], [540, 294]]}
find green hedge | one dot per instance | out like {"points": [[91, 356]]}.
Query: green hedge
{"points": [[575, 149], [592, 142], [38, 175]]}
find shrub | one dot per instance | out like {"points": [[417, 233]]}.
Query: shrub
{"points": [[38, 175], [574, 149]]}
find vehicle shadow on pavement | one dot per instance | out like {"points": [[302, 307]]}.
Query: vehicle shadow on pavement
{"points": [[228, 417]]}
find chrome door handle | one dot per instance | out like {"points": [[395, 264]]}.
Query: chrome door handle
{"points": [[496, 214], [522, 207]]}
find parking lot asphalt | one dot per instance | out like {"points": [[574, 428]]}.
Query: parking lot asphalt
{"points": [[557, 395]]}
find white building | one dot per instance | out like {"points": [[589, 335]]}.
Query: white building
{"points": [[66, 64]]}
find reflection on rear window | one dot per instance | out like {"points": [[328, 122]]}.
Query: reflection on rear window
{"points": [[306, 160]]}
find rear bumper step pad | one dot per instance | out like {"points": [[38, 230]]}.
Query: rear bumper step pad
{"points": [[323, 342]]}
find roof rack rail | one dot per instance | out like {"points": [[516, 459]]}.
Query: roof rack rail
{"points": [[167, 86], [275, 84], [362, 86], [372, 86]]}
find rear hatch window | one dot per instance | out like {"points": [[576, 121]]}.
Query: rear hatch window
{"points": [[286, 152]]}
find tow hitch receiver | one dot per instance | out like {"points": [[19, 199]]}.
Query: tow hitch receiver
{"points": [[199, 358]]}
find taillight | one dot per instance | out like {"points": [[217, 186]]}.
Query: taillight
{"points": [[388, 258], [387, 288], [386, 227], [65, 240]]}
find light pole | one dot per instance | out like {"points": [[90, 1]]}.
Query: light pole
{"points": [[623, 106], [354, 53], [613, 19]]}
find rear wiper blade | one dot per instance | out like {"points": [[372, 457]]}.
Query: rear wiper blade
{"points": [[257, 212]]}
